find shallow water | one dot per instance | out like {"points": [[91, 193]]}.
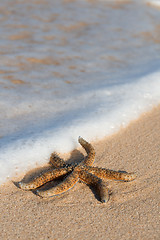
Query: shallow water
{"points": [[71, 68]]}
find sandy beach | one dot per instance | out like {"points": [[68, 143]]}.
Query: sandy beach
{"points": [[131, 213], [80, 68]]}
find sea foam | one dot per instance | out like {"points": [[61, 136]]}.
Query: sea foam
{"points": [[154, 2], [79, 69]]}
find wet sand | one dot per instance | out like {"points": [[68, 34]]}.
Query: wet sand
{"points": [[131, 213]]}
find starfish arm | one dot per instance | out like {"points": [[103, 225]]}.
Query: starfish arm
{"points": [[64, 186], [44, 178], [93, 180], [89, 159], [56, 161], [110, 174]]}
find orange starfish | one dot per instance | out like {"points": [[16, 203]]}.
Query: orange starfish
{"points": [[74, 172]]}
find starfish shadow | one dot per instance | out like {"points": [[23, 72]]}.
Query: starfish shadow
{"points": [[75, 156], [61, 176]]}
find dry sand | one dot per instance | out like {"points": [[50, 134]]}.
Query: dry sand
{"points": [[131, 213]]}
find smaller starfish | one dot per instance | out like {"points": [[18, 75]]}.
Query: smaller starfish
{"points": [[73, 173]]}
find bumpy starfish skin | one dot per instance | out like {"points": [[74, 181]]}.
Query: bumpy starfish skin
{"points": [[84, 171], [44, 178], [89, 159], [56, 161], [62, 187], [93, 180], [110, 174]]}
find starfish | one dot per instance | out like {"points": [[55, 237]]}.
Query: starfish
{"points": [[92, 176]]}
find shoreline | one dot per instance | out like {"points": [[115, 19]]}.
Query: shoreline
{"points": [[132, 211]]}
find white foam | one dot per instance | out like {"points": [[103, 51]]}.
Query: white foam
{"points": [[95, 73], [154, 2]]}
